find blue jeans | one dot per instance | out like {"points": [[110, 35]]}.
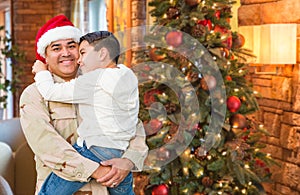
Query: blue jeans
{"points": [[55, 185]]}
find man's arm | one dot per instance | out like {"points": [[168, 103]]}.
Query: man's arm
{"points": [[47, 144]]}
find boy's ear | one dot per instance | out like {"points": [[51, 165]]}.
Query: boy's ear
{"points": [[103, 53]]}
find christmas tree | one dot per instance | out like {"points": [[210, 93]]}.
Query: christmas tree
{"points": [[196, 103]]}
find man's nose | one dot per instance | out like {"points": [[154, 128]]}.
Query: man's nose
{"points": [[66, 51]]}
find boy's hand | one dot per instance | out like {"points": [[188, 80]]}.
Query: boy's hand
{"points": [[38, 66]]}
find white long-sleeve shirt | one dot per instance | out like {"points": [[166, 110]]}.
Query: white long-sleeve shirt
{"points": [[108, 104]]}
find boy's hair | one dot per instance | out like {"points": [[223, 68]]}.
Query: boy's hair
{"points": [[105, 39]]}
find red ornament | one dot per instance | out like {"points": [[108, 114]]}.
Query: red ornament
{"points": [[208, 82], [238, 121], [226, 32], [206, 23], [220, 29], [153, 126], [155, 56], [228, 42], [174, 38], [228, 78], [218, 14], [149, 96], [161, 189], [233, 103], [238, 41]]}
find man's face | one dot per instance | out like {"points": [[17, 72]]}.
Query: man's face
{"points": [[89, 58], [61, 57]]}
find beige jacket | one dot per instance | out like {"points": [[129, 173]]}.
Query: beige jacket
{"points": [[50, 129]]}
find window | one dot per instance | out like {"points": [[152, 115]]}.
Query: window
{"points": [[5, 64], [89, 15]]}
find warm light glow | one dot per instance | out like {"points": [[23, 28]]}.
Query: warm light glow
{"points": [[271, 43], [278, 44], [252, 40]]}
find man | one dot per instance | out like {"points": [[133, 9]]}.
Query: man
{"points": [[50, 127]]}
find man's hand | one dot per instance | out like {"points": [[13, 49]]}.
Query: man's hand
{"points": [[38, 66], [121, 167]]}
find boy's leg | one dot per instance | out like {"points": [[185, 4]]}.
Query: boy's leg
{"points": [[126, 186], [58, 186]]}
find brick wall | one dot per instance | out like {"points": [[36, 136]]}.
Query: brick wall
{"points": [[280, 97], [27, 17]]}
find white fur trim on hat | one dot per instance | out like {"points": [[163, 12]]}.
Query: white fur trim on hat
{"points": [[54, 34]]}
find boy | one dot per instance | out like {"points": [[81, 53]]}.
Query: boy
{"points": [[106, 92]]}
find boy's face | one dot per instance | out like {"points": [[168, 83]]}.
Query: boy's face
{"points": [[89, 59]]}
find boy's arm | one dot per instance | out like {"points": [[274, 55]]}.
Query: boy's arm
{"points": [[138, 149], [77, 90]]}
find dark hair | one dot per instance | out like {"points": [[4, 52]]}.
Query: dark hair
{"points": [[105, 39]]}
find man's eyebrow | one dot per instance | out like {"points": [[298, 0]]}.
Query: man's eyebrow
{"points": [[59, 44], [71, 42], [55, 45]]}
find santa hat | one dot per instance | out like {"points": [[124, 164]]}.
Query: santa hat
{"points": [[59, 27]]}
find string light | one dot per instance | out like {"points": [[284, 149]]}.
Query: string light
{"points": [[261, 126], [185, 171], [221, 101], [185, 190], [244, 191], [236, 89], [241, 71], [247, 166]]}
